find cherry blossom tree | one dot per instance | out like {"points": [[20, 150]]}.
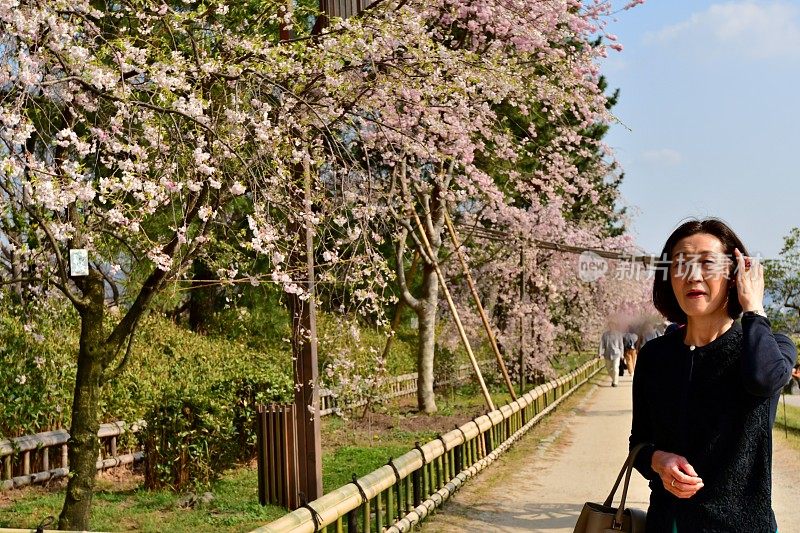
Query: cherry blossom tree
{"points": [[450, 149], [133, 130], [783, 282]]}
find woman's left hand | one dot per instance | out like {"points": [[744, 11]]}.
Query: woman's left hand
{"points": [[749, 282]]}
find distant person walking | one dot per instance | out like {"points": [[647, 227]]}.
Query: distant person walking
{"points": [[629, 342], [611, 349], [651, 333]]}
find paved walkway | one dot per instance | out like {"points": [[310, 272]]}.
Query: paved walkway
{"points": [[791, 399], [541, 488]]}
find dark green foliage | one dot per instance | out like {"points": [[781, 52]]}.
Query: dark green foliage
{"points": [[35, 374], [37, 368], [245, 392], [589, 158], [188, 440]]}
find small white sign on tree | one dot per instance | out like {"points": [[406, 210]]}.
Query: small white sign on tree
{"points": [[78, 262]]}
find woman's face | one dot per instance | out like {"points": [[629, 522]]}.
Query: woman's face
{"points": [[699, 272]]}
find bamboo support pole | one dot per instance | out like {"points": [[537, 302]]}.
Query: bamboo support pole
{"points": [[521, 322], [462, 333], [479, 305]]}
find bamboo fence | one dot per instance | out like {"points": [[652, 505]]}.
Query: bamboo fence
{"points": [[399, 386], [396, 497], [27, 460], [31, 459]]}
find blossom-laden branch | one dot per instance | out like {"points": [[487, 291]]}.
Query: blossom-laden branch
{"points": [[165, 135]]}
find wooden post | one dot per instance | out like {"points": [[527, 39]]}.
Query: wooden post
{"points": [[477, 298], [521, 322], [289, 417], [304, 351], [261, 454]]}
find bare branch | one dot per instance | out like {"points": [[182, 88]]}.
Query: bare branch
{"points": [[62, 267], [18, 280], [408, 298], [109, 376]]}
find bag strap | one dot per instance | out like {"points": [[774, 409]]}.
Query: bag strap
{"points": [[627, 468]]}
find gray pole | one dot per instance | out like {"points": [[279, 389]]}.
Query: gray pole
{"points": [[521, 322]]}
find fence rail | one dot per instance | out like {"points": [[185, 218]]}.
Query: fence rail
{"points": [[27, 460], [30, 459], [343, 8], [399, 495], [402, 385]]}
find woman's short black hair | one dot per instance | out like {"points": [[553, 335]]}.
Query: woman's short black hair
{"points": [[664, 297]]}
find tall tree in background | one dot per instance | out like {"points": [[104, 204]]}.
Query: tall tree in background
{"points": [[782, 276]]}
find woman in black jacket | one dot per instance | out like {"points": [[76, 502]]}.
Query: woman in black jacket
{"points": [[705, 395]]}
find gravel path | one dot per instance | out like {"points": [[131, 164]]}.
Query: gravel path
{"points": [[541, 487], [791, 399]]}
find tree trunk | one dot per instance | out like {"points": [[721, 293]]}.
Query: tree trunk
{"points": [[83, 443], [491, 299], [426, 400], [202, 297]]}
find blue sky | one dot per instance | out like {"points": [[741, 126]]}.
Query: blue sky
{"points": [[709, 116]]}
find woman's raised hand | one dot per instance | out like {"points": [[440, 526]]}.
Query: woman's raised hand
{"points": [[677, 475], [749, 282]]}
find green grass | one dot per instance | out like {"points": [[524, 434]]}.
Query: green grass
{"points": [[452, 401], [792, 420], [572, 360], [234, 508], [350, 447], [338, 467]]}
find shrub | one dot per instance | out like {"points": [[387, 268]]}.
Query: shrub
{"points": [[188, 441], [36, 374], [245, 393]]}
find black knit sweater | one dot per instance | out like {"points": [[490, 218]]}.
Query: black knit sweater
{"points": [[714, 405]]}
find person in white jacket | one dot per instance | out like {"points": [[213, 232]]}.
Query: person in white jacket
{"points": [[611, 349]]}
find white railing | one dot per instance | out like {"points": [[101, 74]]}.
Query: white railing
{"points": [[399, 386]]}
